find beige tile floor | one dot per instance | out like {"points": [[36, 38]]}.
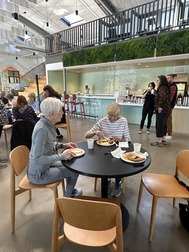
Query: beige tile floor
{"points": [[34, 219]]}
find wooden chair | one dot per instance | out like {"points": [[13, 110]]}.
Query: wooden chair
{"points": [[66, 126], [165, 186], [19, 158], [122, 181], [88, 222]]}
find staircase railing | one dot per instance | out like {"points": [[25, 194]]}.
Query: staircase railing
{"points": [[30, 76]]}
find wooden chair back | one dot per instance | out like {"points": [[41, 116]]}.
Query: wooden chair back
{"points": [[87, 214], [19, 158], [182, 162], [87, 218]]}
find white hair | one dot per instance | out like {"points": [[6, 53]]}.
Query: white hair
{"points": [[50, 105]]}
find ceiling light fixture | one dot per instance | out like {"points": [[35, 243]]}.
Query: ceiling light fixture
{"points": [[47, 23], [76, 10]]}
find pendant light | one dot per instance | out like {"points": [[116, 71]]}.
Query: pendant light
{"points": [[47, 23], [76, 10]]}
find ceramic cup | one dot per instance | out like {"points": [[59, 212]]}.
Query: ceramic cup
{"points": [[137, 147], [90, 143]]}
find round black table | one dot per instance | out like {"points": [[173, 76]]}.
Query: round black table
{"points": [[99, 163]]}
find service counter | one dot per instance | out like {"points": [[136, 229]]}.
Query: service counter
{"points": [[95, 106]]}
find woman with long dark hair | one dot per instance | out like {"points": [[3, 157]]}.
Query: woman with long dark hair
{"points": [[49, 91], [162, 107]]}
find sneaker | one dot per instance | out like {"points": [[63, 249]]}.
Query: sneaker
{"points": [[140, 131], [3, 165], [3, 160], [59, 136], [76, 192], [117, 190], [164, 142], [168, 137], [148, 131], [157, 144]]}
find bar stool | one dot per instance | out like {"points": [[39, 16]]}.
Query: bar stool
{"points": [[5, 129], [66, 103], [74, 105]]}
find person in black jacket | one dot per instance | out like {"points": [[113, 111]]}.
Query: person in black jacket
{"points": [[48, 91], [148, 107], [173, 97]]}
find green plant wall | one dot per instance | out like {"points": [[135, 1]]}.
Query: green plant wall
{"points": [[166, 44]]}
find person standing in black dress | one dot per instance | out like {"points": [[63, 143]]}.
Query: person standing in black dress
{"points": [[148, 107]]}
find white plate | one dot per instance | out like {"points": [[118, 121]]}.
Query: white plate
{"points": [[130, 161], [104, 143], [78, 152]]}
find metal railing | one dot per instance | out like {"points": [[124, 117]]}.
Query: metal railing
{"points": [[147, 19]]}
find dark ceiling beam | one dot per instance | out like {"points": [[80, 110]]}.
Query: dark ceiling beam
{"points": [[106, 7], [32, 26], [109, 6]]}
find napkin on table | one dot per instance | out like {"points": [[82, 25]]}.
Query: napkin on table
{"points": [[117, 152], [123, 144]]}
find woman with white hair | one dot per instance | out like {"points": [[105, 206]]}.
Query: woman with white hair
{"points": [[45, 166], [112, 126]]}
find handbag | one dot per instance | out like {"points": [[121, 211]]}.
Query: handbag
{"points": [[184, 215], [184, 208]]}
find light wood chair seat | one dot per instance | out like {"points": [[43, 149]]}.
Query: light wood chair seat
{"points": [[19, 158], [27, 185], [88, 222], [165, 186], [65, 126]]}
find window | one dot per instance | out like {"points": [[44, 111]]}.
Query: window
{"points": [[14, 76]]}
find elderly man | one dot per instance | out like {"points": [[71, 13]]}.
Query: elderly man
{"points": [[173, 98]]}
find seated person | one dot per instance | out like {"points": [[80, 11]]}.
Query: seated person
{"points": [[112, 126], [33, 102], [44, 166], [21, 111], [3, 98]]}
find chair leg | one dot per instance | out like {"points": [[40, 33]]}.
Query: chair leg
{"points": [[95, 184], [174, 201], [30, 194], [153, 213], [123, 185], [12, 206], [6, 142], [139, 195], [63, 187], [12, 199], [55, 190]]}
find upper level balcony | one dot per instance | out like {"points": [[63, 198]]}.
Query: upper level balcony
{"points": [[144, 20]]}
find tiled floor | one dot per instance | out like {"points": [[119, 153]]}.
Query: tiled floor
{"points": [[34, 219]]}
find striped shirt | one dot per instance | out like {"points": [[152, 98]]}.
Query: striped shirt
{"points": [[117, 129]]}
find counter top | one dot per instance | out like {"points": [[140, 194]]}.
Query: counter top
{"points": [[91, 96], [141, 104]]}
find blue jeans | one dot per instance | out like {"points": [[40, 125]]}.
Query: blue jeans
{"points": [[56, 172]]}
